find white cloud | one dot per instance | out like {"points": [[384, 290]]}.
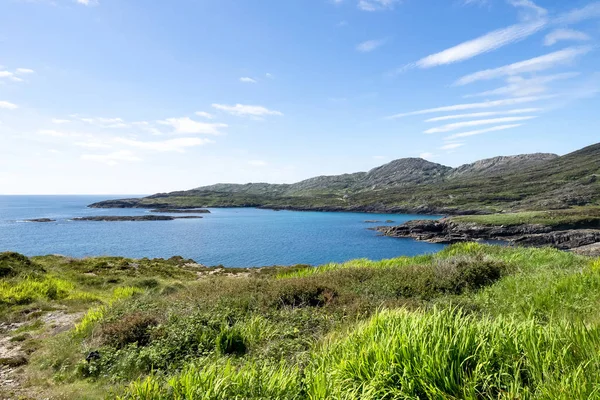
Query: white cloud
{"points": [[481, 45], [369, 45], [87, 2], [561, 57], [475, 2], [479, 122], [177, 145], [188, 125], [590, 11], [8, 105], [104, 122], [377, 5], [564, 34], [484, 114], [471, 106], [246, 79], [451, 146], [24, 71], [530, 10], [258, 163], [269, 75], [6, 74], [59, 121], [92, 144], [518, 86], [242, 110], [112, 158], [480, 131], [427, 156], [52, 132], [204, 114]]}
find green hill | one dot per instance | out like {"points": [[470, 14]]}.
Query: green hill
{"points": [[515, 183]]}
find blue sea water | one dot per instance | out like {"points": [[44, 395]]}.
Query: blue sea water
{"points": [[233, 237]]}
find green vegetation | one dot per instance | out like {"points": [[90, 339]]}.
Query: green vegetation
{"points": [[470, 322], [413, 185], [574, 218]]}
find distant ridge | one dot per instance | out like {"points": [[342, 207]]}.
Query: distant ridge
{"points": [[527, 181]]}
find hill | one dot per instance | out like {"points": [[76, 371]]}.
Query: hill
{"points": [[515, 183]]}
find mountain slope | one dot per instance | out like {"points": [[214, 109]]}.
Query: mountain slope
{"points": [[524, 182]]}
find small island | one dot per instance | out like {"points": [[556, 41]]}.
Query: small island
{"points": [[130, 218], [181, 210], [40, 220]]}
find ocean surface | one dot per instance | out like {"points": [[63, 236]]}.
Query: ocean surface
{"points": [[233, 237]]}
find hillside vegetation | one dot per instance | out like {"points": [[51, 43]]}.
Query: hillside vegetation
{"points": [[470, 322], [525, 182]]}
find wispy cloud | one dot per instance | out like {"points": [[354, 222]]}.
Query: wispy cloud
{"points": [[369, 45], [485, 114], [529, 10], [480, 131], [176, 145], [451, 146], [564, 34], [87, 2], [479, 122], [246, 79], [186, 125], [473, 106], [204, 114], [519, 86], [561, 57], [243, 110], [427, 156], [113, 158], [24, 71], [377, 5], [8, 105], [483, 44], [590, 11], [105, 122]]}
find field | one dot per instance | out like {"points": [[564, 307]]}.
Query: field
{"points": [[470, 322]]}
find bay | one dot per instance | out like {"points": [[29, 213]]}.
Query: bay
{"points": [[233, 237]]}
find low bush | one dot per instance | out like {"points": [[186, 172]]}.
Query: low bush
{"points": [[131, 328]]}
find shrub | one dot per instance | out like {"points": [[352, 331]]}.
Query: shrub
{"points": [[230, 342], [13, 264], [304, 293], [131, 328]]}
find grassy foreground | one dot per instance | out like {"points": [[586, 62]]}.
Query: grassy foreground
{"points": [[470, 322]]}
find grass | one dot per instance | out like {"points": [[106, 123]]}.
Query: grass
{"points": [[575, 218], [470, 322]]}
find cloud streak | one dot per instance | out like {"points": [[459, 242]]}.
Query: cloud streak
{"points": [[564, 34], [8, 105], [483, 44], [518, 86], [472, 106], [561, 57], [369, 45], [480, 122], [376, 5], [480, 131], [186, 125], [244, 110], [484, 114]]}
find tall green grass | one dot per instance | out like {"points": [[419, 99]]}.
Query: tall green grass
{"points": [[443, 354]]}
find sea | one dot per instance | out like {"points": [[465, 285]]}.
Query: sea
{"points": [[232, 237]]}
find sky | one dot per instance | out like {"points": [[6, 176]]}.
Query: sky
{"points": [[139, 97]]}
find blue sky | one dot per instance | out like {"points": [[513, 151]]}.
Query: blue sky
{"points": [[113, 96]]}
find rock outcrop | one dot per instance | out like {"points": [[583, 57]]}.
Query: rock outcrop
{"points": [[446, 231]]}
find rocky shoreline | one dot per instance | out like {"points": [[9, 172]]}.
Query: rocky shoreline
{"points": [[181, 211], [369, 208], [111, 218], [584, 241]]}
